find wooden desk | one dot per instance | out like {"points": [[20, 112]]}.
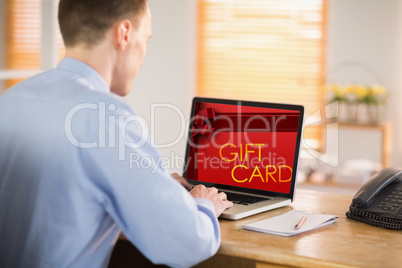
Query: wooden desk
{"points": [[346, 243]]}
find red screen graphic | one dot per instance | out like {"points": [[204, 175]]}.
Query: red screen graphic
{"points": [[243, 146]]}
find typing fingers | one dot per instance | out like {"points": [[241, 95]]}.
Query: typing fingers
{"points": [[223, 196], [213, 190], [228, 204]]}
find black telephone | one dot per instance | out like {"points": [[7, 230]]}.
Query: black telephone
{"points": [[379, 201]]}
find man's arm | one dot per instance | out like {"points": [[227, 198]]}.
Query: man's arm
{"points": [[182, 181], [161, 218]]}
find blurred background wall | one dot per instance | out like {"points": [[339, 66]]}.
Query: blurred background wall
{"points": [[363, 31]]}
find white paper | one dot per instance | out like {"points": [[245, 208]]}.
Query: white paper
{"points": [[285, 224]]}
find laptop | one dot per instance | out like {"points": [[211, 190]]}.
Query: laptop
{"points": [[249, 150]]}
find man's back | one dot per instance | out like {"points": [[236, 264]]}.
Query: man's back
{"points": [[42, 174], [66, 191], [76, 166]]}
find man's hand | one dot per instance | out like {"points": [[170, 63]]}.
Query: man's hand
{"points": [[218, 199], [183, 181]]}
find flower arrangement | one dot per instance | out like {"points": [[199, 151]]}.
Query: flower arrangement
{"points": [[358, 103], [375, 94]]}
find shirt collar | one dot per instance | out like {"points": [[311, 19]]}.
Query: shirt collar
{"points": [[81, 68]]}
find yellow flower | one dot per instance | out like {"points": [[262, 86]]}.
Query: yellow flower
{"points": [[378, 90], [335, 92], [375, 94], [360, 91]]}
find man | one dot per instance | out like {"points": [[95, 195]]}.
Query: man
{"points": [[66, 185]]}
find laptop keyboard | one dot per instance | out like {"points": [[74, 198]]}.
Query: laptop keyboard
{"points": [[244, 199]]}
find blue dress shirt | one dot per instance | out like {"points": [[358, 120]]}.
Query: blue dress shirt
{"points": [[76, 168]]}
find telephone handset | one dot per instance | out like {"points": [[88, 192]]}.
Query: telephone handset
{"points": [[379, 200]]}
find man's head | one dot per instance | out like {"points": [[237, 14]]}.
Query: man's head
{"points": [[119, 29]]}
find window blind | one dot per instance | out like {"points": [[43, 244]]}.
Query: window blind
{"points": [[264, 50], [24, 36]]}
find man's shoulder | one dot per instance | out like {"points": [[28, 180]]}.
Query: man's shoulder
{"points": [[65, 88]]}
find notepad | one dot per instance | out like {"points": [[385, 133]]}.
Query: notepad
{"points": [[285, 224]]}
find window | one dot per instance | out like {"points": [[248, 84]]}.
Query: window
{"points": [[24, 36], [263, 50]]}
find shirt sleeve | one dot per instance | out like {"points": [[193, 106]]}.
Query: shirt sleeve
{"points": [[153, 210]]}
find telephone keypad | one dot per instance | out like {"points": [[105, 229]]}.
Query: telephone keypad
{"points": [[392, 201]]}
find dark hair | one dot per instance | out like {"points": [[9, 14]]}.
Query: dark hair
{"points": [[86, 21]]}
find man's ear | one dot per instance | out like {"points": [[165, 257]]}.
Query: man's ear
{"points": [[122, 33]]}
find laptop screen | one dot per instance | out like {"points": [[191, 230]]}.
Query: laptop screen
{"points": [[244, 145]]}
